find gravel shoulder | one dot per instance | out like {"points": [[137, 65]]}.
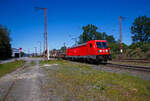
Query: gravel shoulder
{"points": [[29, 82], [73, 81]]}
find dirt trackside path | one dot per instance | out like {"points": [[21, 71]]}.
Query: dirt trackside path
{"points": [[24, 84], [70, 81], [61, 80]]}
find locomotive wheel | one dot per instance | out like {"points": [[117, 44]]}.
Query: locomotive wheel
{"points": [[104, 62]]}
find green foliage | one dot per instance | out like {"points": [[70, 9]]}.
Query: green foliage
{"points": [[90, 33], [21, 54], [110, 39], [51, 62], [145, 47], [114, 48], [9, 67], [63, 49], [138, 50], [141, 29], [32, 63], [5, 46], [125, 47], [83, 83], [148, 54]]}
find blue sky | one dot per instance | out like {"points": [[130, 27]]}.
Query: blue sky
{"points": [[66, 18]]}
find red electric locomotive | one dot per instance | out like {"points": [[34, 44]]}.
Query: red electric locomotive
{"points": [[94, 50]]}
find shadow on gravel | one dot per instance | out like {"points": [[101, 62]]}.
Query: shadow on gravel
{"points": [[90, 62]]}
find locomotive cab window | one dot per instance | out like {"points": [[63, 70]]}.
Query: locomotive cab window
{"points": [[104, 44], [101, 45], [90, 45]]}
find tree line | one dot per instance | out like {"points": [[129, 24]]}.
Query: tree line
{"points": [[140, 31], [90, 33], [5, 46]]}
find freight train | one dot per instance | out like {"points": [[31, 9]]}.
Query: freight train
{"points": [[94, 50]]}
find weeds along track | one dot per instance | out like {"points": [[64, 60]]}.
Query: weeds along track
{"points": [[134, 60], [122, 66], [132, 67]]}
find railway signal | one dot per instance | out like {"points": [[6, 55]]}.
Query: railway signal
{"points": [[20, 49]]}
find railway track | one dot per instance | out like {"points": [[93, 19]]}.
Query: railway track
{"points": [[123, 66], [134, 61], [132, 67]]}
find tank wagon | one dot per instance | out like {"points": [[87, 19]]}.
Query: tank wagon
{"points": [[94, 50]]}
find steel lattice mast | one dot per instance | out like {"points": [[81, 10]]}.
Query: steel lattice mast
{"points": [[120, 34], [45, 30]]}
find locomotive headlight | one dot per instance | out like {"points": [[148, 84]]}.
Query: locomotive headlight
{"points": [[106, 50], [99, 51]]}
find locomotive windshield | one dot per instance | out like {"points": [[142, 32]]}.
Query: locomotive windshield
{"points": [[101, 45]]}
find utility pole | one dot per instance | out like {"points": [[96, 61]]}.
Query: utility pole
{"points": [[28, 52], [64, 47], [40, 47], [35, 51], [45, 30], [120, 34]]}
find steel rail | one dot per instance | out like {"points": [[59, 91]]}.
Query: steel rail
{"points": [[136, 61], [139, 68]]}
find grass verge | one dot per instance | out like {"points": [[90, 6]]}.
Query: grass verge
{"points": [[82, 83], [32, 63], [9, 67], [131, 63], [42, 62]]}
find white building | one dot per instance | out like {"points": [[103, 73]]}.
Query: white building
{"points": [[15, 52]]}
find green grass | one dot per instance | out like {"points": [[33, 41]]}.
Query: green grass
{"points": [[52, 62], [9, 67], [32, 63], [131, 63], [82, 83]]}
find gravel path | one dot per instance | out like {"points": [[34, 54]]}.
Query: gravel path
{"points": [[29, 82], [12, 59]]}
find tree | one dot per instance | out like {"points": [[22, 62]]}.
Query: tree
{"points": [[63, 49], [5, 46], [141, 29], [110, 39], [22, 54], [90, 33]]}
